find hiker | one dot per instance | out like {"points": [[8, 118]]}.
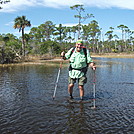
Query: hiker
{"points": [[80, 59]]}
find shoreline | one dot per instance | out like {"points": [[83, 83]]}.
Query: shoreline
{"points": [[58, 59], [114, 55], [37, 60]]}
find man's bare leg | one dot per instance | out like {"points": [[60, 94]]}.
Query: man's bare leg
{"points": [[70, 90], [81, 88]]}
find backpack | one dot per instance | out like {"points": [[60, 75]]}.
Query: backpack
{"points": [[83, 69]]}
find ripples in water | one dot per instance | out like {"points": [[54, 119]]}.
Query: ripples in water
{"points": [[27, 107]]}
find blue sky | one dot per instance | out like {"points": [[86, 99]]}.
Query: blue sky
{"points": [[107, 13]]}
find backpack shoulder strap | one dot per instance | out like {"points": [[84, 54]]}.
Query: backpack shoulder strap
{"points": [[85, 51], [72, 51]]}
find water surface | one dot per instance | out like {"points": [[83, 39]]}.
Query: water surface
{"points": [[27, 107]]}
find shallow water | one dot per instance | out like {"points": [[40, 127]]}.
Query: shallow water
{"points": [[27, 107]]}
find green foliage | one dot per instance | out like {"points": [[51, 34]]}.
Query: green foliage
{"points": [[48, 46], [7, 55], [50, 39], [9, 46]]}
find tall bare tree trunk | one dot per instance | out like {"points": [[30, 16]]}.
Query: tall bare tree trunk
{"points": [[23, 43]]}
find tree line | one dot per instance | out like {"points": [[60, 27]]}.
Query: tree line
{"points": [[50, 39]]}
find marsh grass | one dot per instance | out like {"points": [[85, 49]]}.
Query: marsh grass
{"points": [[56, 60]]}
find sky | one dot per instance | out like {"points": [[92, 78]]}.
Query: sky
{"points": [[108, 13]]}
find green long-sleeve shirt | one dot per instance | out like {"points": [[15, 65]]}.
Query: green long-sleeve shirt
{"points": [[78, 61]]}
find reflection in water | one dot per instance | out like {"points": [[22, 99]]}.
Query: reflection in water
{"points": [[76, 119], [27, 107]]}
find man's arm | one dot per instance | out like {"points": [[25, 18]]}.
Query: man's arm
{"points": [[63, 55], [92, 65]]}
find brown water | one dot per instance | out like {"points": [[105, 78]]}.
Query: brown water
{"points": [[27, 107]]}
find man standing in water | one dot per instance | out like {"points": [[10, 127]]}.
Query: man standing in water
{"points": [[80, 59]]}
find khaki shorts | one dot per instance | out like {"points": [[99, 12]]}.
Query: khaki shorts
{"points": [[81, 81]]}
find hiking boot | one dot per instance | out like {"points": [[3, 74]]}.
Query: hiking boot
{"points": [[71, 97], [81, 97]]}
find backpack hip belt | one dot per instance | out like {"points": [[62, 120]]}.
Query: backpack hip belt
{"points": [[84, 69]]}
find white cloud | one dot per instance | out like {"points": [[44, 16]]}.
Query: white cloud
{"points": [[9, 23], [16, 5], [69, 24]]}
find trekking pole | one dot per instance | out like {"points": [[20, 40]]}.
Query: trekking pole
{"points": [[56, 84], [94, 90]]}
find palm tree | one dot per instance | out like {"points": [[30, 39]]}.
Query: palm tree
{"points": [[21, 23]]}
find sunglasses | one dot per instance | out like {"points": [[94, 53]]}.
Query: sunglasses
{"points": [[80, 44]]}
